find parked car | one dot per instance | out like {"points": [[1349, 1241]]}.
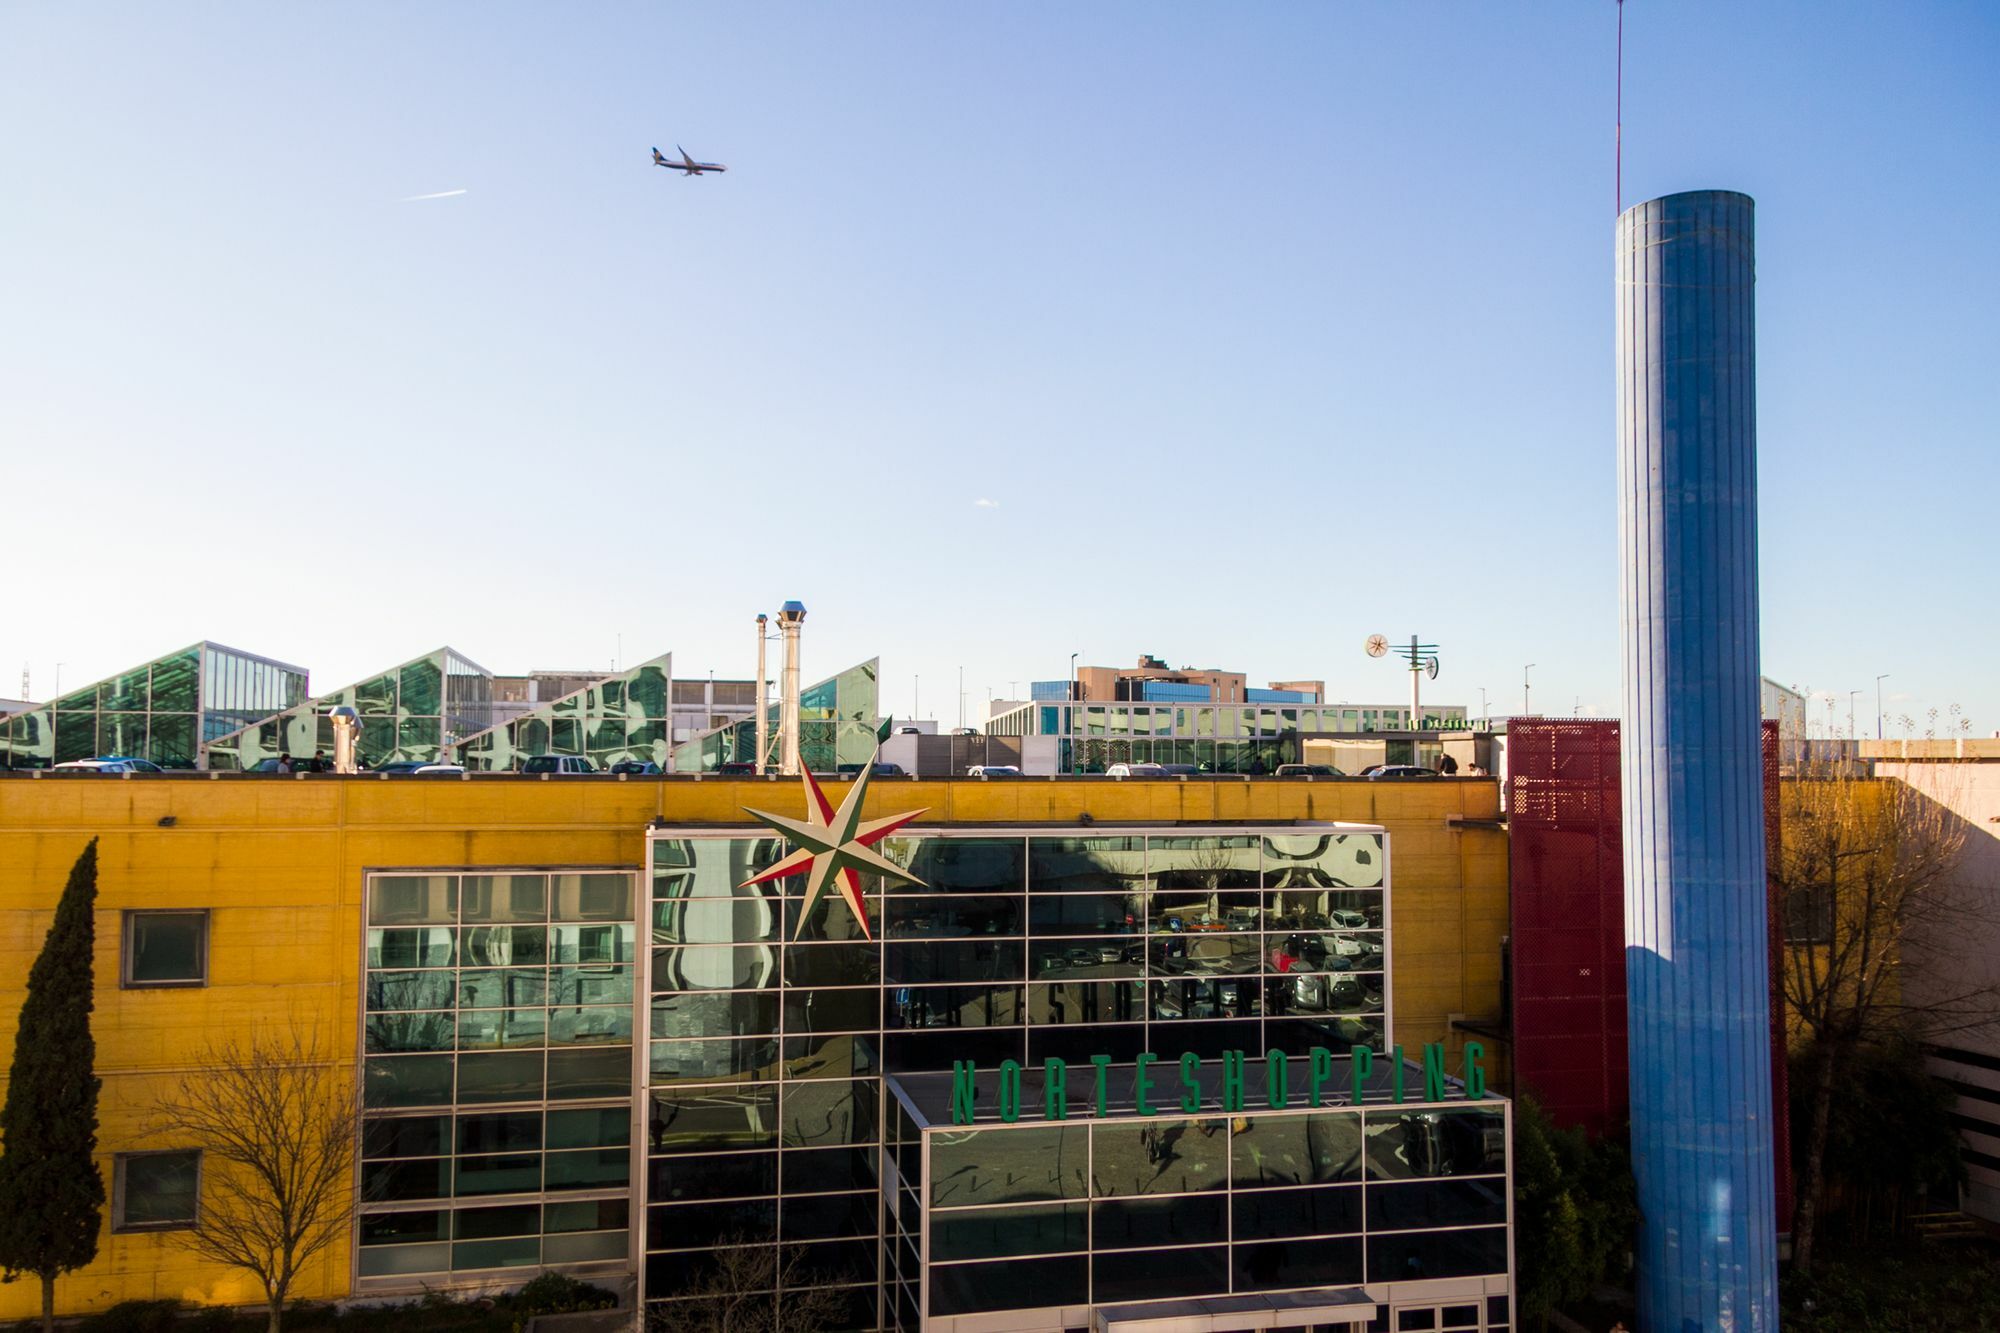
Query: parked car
{"points": [[442, 766], [558, 763], [1180, 770], [1401, 771], [994, 771], [874, 770], [1135, 771], [736, 769], [1309, 771], [110, 763], [401, 766], [637, 768]]}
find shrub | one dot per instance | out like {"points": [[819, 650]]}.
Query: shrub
{"points": [[135, 1317], [559, 1293]]}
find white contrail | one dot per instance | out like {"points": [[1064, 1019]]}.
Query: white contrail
{"points": [[441, 194], [983, 503]]}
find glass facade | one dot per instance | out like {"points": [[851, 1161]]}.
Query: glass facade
{"points": [[770, 1038], [1404, 1205], [626, 716], [166, 710], [497, 1074], [1214, 738], [837, 724], [409, 713]]}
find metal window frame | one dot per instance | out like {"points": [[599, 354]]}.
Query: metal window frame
{"points": [[127, 918], [450, 1277], [119, 1226]]}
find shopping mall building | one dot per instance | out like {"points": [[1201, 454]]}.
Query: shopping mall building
{"points": [[1094, 1054]]}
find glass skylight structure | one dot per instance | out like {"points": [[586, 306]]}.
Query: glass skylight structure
{"points": [[628, 716], [838, 718], [409, 713], [167, 710]]}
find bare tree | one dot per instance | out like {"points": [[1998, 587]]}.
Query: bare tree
{"points": [[1880, 937], [275, 1120], [752, 1289]]}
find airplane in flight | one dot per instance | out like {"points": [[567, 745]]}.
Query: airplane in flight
{"points": [[687, 166]]}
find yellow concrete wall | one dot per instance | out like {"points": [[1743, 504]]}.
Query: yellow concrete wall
{"points": [[279, 863]]}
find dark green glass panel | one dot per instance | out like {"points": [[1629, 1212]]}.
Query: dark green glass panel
{"points": [[492, 1029], [400, 900], [596, 1025], [587, 1215], [501, 988], [1011, 1166], [565, 736], [967, 1288], [602, 1071], [590, 1127], [376, 697], [126, 694], [392, 1033], [404, 1227], [407, 1080], [399, 1180], [513, 1173], [378, 741], [506, 898], [407, 1136], [83, 701], [588, 1169], [420, 737], [514, 1219], [505, 946], [123, 733], [423, 688], [173, 684], [76, 736], [170, 741], [602, 897], [997, 1233], [646, 692], [500, 1076], [160, 1189], [532, 736], [499, 1132], [402, 1260]]}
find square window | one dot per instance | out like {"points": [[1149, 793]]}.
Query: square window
{"points": [[165, 949], [156, 1191]]}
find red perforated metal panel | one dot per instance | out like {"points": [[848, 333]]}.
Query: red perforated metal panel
{"points": [[1568, 918], [1567, 934]]}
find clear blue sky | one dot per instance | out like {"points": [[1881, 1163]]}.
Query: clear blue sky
{"points": [[1260, 328]]}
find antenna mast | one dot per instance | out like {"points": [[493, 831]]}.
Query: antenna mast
{"points": [[1618, 125]]}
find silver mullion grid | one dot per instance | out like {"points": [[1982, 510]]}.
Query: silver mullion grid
{"points": [[452, 1204], [1362, 1113]]}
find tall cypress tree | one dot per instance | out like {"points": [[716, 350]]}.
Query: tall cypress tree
{"points": [[51, 1197]]}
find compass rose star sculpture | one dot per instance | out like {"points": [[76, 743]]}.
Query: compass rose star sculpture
{"points": [[836, 845]]}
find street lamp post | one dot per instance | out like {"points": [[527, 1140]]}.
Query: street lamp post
{"points": [[1878, 704], [1850, 713], [1524, 689]]}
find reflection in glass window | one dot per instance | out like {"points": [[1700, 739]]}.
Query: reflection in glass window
{"points": [[156, 1190], [1016, 1165], [465, 1010], [166, 948]]}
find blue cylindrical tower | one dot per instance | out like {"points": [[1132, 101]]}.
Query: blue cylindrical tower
{"points": [[1695, 925]]}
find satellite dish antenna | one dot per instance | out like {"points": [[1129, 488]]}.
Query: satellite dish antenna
{"points": [[1377, 645], [1431, 668]]}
